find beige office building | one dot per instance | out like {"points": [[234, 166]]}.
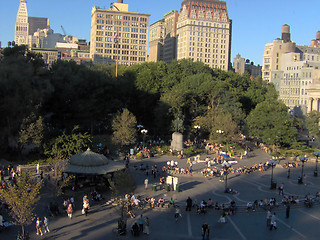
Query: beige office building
{"points": [[204, 33], [119, 34], [156, 41]]}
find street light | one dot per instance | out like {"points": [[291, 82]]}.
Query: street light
{"points": [[197, 128], [315, 173], [303, 160], [144, 132], [226, 166], [273, 184]]}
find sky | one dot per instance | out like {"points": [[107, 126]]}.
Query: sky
{"points": [[255, 22]]}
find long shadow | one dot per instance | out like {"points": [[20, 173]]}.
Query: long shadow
{"points": [[189, 185]]}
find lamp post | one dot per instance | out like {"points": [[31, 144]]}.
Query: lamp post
{"points": [[144, 132], [226, 166], [315, 173], [197, 128], [219, 132], [303, 160], [273, 185]]}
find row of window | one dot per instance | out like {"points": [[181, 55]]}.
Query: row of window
{"points": [[121, 17], [119, 23], [111, 39]]}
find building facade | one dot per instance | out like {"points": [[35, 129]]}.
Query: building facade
{"points": [[293, 69], [204, 33], [241, 65], [156, 41], [26, 26], [118, 35]]}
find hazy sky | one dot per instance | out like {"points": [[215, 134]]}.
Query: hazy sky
{"points": [[255, 22]]}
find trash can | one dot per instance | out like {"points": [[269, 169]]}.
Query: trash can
{"points": [[167, 187], [178, 188], [273, 185], [315, 173], [154, 187], [300, 180]]}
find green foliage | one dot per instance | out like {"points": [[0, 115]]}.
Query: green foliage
{"points": [[66, 145], [271, 122], [22, 199], [124, 128], [312, 122], [31, 131]]}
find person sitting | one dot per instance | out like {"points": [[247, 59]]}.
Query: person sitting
{"points": [[135, 230], [249, 206], [203, 204], [147, 200], [152, 201], [162, 180], [171, 203], [216, 206], [210, 203], [161, 202]]}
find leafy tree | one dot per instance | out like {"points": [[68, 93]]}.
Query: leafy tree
{"points": [[66, 145], [312, 122], [21, 198], [215, 120], [271, 122], [32, 130], [124, 128]]}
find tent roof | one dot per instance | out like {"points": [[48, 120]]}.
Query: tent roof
{"points": [[90, 162]]}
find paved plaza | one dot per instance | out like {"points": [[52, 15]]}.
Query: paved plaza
{"points": [[101, 222]]}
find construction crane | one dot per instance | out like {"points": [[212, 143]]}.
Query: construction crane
{"points": [[64, 32]]}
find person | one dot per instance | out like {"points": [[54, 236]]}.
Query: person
{"points": [[135, 230], [86, 206], [273, 223], [189, 204], [287, 210], [222, 218], [177, 215], [205, 231], [146, 183], [70, 210], [281, 189], [46, 225], [269, 215], [141, 222], [161, 202], [152, 201], [129, 210], [146, 223], [171, 203], [38, 226]]}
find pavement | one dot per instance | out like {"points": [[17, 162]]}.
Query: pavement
{"points": [[101, 222]]}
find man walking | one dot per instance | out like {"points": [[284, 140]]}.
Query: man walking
{"points": [[189, 204], [281, 189], [205, 231], [287, 210], [146, 181]]}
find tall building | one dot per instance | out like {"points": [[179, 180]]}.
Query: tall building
{"points": [[163, 38], [204, 33], [118, 35], [294, 70], [156, 41], [26, 26]]}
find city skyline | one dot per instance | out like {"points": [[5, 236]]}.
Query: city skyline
{"points": [[254, 23]]}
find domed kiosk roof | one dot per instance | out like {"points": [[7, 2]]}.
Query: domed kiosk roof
{"points": [[90, 162]]}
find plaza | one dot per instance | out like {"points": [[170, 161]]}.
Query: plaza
{"points": [[101, 223]]}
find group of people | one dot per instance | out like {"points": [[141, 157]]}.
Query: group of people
{"points": [[42, 224], [142, 226]]}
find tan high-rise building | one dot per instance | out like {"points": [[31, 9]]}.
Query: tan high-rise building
{"points": [[26, 26], [156, 41], [163, 38], [119, 34], [204, 33]]}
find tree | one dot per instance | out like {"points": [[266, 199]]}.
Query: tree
{"points": [[271, 122], [312, 122], [124, 128], [21, 198], [66, 145], [32, 129]]}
